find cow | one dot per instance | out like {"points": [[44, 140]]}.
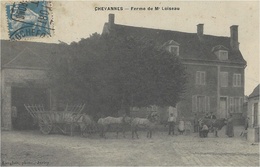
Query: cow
{"points": [[213, 124]]}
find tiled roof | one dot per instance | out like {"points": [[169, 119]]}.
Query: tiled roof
{"points": [[191, 47]]}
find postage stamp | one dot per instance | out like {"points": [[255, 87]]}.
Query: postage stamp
{"points": [[29, 19]]}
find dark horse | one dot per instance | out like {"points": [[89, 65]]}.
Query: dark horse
{"points": [[213, 124], [147, 123]]}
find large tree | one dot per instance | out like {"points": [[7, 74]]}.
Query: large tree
{"points": [[112, 72]]}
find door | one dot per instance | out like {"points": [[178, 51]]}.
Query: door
{"points": [[223, 107], [21, 96]]}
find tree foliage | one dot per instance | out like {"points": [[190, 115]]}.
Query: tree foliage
{"points": [[111, 72]]}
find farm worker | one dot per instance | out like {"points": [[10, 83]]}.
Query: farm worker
{"points": [[181, 127], [171, 123]]}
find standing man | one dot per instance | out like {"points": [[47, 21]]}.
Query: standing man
{"points": [[171, 123]]}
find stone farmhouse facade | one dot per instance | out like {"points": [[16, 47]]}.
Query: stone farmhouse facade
{"points": [[214, 64]]}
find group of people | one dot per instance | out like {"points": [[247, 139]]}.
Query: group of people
{"points": [[172, 121], [200, 126]]}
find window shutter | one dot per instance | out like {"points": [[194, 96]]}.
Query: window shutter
{"points": [[239, 80], [197, 77], [241, 104], [231, 104], [207, 103], [203, 78], [194, 103], [226, 79], [234, 79]]}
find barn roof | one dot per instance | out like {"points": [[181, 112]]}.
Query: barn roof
{"points": [[27, 54]]}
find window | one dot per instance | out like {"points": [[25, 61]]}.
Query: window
{"points": [[200, 104], [224, 79], [174, 50], [237, 80], [200, 77], [222, 55], [235, 104]]}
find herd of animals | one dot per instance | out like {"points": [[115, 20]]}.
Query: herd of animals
{"points": [[87, 125]]}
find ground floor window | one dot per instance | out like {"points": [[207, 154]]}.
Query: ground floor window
{"points": [[235, 104], [200, 103]]}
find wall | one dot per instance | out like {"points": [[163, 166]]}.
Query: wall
{"points": [[17, 78], [251, 135], [209, 89]]}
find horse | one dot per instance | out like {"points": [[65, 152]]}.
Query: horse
{"points": [[213, 124], [118, 122], [148, 123], [86, 124]]}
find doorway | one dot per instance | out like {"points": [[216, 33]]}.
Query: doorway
{"points": [[21, 96], [223, 107]]}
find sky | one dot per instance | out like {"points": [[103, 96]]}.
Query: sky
{"points": [[74, 20]]}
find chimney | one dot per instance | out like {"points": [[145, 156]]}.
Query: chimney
{"points": [[200, 30], [111, 19], [234, 37]]}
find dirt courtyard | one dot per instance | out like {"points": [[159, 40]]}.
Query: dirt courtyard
{"points": [[31, 148]]}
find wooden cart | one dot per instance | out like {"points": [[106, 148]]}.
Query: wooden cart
{"points": [[49, 120]]}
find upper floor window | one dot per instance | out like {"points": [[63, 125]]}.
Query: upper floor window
{"points": [[224, 79], [174, 50], [237, 80], [223, 55], [200, 78]]}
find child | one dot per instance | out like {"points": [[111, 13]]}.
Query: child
{"points": [[204, 131], [181, 127]]}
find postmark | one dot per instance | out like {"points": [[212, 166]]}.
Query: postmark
{"points": [[29, 19]]}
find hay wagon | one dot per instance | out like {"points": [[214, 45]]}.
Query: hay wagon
{"points": [[50, 120]]}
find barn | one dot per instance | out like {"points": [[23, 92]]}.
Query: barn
{"points": [[24, 81]]}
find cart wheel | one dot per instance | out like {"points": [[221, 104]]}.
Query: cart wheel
{"points": [[45, 128]]}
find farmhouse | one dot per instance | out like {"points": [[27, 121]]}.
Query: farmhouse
{"points": [[214, 64]]}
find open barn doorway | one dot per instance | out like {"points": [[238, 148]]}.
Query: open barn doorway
{"points": [[21, 119]]}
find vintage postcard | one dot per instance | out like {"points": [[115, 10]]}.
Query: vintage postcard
{"points": [[129, 83]]}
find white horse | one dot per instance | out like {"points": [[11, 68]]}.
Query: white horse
{"points": [[118, 122], [86, 124], [147, 123]]}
